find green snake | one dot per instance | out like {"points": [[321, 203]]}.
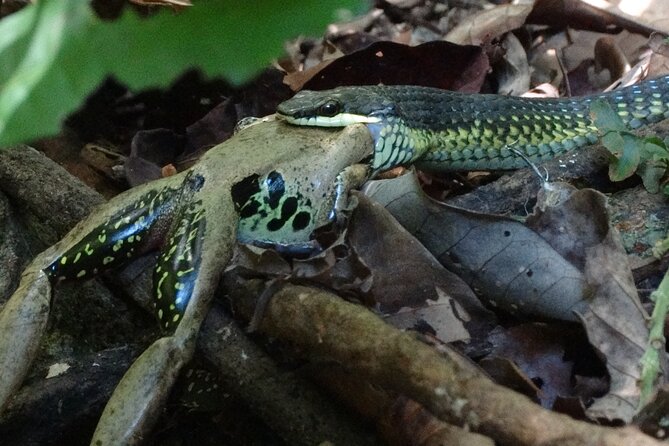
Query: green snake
{"points": [[443, 130]]}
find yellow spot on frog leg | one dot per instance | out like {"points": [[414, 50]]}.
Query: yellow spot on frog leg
{"points": [[160, 284], [63, 260], [131, 239], [81, 274], [77, 257], [107, 260], [175, 318], [117, 245], [102, 237], [198, 216], [160, 314], [88, 250], [184, 272]]}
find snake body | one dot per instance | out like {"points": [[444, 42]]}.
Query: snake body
{"points": [[443, 130]]}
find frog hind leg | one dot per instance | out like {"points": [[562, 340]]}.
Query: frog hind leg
{"points": [[126, 234], [184, 281], [116, 237], [177, 267], [22, 321]]}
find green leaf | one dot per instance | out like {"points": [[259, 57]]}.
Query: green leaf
{"points": [[626, 149], [605, 118], [653, 148], [651, 175], [56, 52]]}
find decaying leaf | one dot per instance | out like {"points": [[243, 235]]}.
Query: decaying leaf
{"points": [[584, 15], [434, 64], [410, 287], [542, 354], [514, 73], [615, 321], [495, 255], [508, 264], [488, 24], [610, 57]]}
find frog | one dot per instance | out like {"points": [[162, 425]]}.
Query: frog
{"points": [[271, 184]]}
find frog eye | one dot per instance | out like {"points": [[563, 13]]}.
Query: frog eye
{"points": [[329, 108]]}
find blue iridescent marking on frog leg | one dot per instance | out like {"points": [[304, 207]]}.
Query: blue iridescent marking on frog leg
{"points": [[125, 235]]}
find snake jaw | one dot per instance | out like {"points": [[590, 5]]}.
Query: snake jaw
{"points": [[338, 120]]}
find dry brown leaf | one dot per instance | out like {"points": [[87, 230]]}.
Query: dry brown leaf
{"points": [[433, 64], [488, 24], [410, 287], [513, 76], [615, 321], [296, 79], [583, 15], [542, 353], [505, 262], [616, 327], [610, 57]]}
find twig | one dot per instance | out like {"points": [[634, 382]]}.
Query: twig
{"points": [[650, 361]]}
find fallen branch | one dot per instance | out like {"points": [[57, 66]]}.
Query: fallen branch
{"points": [[450, 388]]}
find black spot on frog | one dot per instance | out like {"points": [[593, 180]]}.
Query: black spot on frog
{"points": [[288, 209], [275, 188], [243, 191], [301, 220]]}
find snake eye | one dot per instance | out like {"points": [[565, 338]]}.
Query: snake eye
{"points": [[330, 108]]}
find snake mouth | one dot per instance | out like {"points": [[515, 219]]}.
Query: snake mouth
{"points": [[339, 120]]}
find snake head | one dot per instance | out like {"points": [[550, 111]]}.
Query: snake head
{"points": [[336, 108]]}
